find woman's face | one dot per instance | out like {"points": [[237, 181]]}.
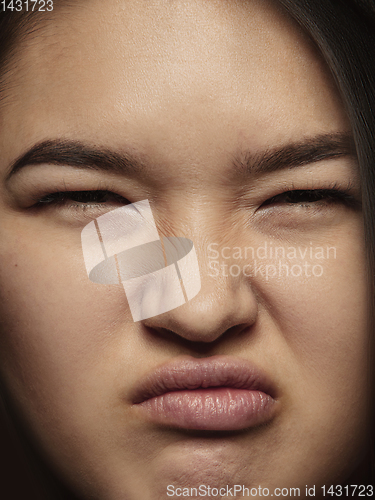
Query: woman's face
{"points": [[217, 108]]}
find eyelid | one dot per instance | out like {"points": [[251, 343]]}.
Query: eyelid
{"points": [[64, 195], [71, 211], [28, 189], [322, 195]]}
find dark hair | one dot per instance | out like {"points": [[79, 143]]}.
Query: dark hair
{"points": [[344, 31]]}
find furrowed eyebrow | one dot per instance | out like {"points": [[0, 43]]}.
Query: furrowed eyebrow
{"points": [[292, 155], [76, 154], [80, 155]]}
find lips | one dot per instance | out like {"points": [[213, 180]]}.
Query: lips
{"points": [[218, 393]]}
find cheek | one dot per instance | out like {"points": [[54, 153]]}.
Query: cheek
{"points": [[323, 333], [56, 324], [319, 303], [67, 354], [319, 348], [324, 318]]}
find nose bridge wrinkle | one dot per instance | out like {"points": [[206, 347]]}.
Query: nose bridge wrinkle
{"points": [[162, 276], [124, 246]]}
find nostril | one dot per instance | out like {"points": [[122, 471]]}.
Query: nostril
{"points": [[194, 342]]}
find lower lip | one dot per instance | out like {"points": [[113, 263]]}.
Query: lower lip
{"points": [[215, 409]]}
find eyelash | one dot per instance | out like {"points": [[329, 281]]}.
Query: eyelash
{"points": [[299, 197], [98, 198], [306, 197]]}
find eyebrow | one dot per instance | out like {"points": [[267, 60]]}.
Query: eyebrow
{"points": [[83, 156], [76, 154], [297, 154]]}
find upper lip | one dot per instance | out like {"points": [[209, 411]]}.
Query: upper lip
{"points": [[189, 373]]}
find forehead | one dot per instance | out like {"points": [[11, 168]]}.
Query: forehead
{"points": [[149, 73]]}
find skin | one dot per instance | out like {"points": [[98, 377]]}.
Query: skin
{"points": [[184, 86]]}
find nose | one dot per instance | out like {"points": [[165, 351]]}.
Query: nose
{"points": [[224, 302]]}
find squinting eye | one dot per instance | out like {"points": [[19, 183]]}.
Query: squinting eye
{"points": [[82, 199], [307, 197]]}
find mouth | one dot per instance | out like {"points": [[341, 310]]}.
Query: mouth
{"points": [[219, 393]]}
